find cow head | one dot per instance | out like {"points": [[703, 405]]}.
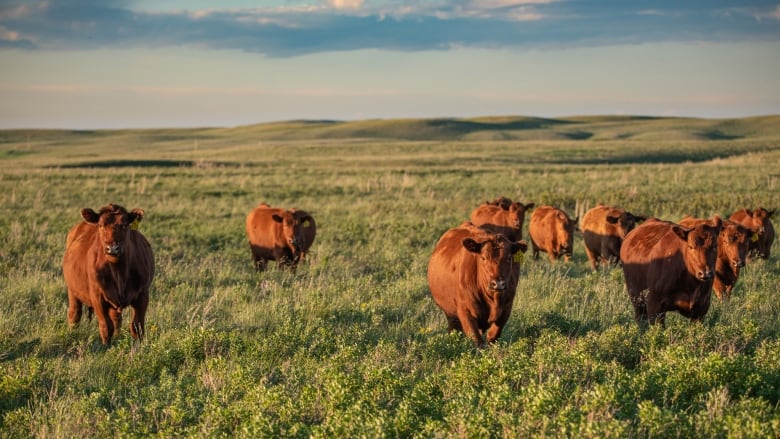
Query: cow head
{"points": [[293, 222], [733, 243], [761, 228], [625, 222], [701, 247], [113, 222], [517, 213], [496, 259], [564, 234]]}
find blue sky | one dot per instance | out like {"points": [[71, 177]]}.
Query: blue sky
{"points": [[86, 64]]}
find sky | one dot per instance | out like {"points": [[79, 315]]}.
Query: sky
{"points": [[104, 64]]}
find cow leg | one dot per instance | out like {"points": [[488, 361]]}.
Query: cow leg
{"points": [[470, 327], [593, 258], [115, 314], [105, 325], [453, 324], [655, 313], [536, 252], [139, 316], [640, 306], [74, 310]]}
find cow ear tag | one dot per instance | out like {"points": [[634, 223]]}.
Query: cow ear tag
{"points": [[754, 238], [306, 223], [518, 257], [134, 224]]}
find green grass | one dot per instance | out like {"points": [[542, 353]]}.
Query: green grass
{"points": [[352, 344]]}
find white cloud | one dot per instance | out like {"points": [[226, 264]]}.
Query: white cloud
{"points": [[352, 5]]}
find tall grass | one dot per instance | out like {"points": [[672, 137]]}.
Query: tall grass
{"points": [[351, 344]]}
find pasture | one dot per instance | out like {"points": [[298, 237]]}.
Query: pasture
{"points": [[352, 343]]}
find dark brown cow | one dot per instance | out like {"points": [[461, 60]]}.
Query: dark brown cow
{"points": [[108, 266], [733, 243], [758, 221], [668, 267], [552, 231], [473, 276], [308, 233], [603, 229], [502, 215], [278, 235]]}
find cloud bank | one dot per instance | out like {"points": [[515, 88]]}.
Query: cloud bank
{"points": [[407, 25]]}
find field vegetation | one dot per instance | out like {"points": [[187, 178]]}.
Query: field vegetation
{"points": [[352, 343]]}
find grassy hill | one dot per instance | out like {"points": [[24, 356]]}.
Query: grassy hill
{"points": [[352, 344]]}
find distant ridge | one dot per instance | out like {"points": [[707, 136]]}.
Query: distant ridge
{"points": [[494, 128], [522, 128]]}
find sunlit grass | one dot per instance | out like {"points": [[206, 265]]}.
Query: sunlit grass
{"points": [[351, 344]]}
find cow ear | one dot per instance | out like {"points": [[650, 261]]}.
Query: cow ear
{"points": [[717, 222], [277, 218], [135, 215], [473, 246], [639, 219], [529, 206], [519, 246], [613, 219], [681, 231], [769, 213], [90, 215]]}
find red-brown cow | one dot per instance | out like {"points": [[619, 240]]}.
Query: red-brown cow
{"points": [[552, 231], [473, 276], [603, 229], [108, 266], [668, 267], [278, 235], [733, 243], [758, 221], [502, 215]]}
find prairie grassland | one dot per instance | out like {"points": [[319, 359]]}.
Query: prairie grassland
{"points": [[351, 344]]}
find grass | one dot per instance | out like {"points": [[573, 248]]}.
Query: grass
{"points": [[352, 344]]}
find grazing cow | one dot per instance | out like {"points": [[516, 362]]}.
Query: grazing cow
{"points": [[758, 221], [603, 229], [278, 235], [668, 267], [473, 276], [733, 243], [502, 215], [108, 266], [552, 231]]}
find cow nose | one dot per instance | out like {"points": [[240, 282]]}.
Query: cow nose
{"points": [[497, 284], [738, 263], [705, 274], [113, 249]]}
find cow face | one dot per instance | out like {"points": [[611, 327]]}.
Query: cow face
{"points": [[733, 244], [701, 247], [292, 223], [496, 259], [625, 222], [564, 233], [114, 223], [761, 228], [517, 214]]}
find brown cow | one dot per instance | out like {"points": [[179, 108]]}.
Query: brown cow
{"points": [[308, 233], [502, 216], [473, 276], [603, 229], [552, 231], [278, 235], [758, 221], [668, 267], [108, 266], [733, 243]]}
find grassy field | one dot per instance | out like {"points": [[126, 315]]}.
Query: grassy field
{"points": [[352, 344]]}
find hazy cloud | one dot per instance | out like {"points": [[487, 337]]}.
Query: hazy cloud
{"points": [[409, 25]]}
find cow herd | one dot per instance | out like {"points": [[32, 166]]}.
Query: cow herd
{"points": [[474, 269]]}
